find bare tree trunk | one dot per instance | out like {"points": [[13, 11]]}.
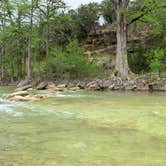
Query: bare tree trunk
{"points": [[121, 57]]}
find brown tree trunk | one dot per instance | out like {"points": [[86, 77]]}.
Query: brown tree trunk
{"points": [[121, 57]]}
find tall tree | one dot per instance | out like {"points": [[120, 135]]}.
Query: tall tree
{"points": [[32, 7], [48, 9], [121, 57], [144, 9]]}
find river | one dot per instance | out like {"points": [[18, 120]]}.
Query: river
{"points": [[84, 129]]}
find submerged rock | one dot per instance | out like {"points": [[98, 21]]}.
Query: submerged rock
{"points": [[24, 98], [20, 93]]}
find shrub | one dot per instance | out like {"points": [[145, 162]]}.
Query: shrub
{"points": [[70, 63], [155, 58]]}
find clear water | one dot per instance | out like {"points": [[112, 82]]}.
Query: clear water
{"points": [[84, 129]]}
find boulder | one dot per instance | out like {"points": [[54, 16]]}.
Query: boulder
{"points": [[26, 87], [25, 82], [95, 85], [42, 86], [51, 85], [81, 85]]}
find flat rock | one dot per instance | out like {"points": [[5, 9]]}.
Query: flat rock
{"points": [[24, 88], [20, 93], [22, 98]]}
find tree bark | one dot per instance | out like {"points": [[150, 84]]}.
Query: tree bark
{"points": [[121, 57]]}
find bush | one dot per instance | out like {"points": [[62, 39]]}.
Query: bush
{"points": [[155, 58], [70, 63]]}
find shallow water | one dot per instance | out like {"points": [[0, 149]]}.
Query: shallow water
{"points": [[84, 129]]}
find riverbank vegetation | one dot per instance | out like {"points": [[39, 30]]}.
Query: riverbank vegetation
{"points": [[46, 40]]}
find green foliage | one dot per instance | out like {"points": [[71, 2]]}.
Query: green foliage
{"points": [[136, 58], [62, 30], [155, 58], [42, 30], [86, 18], [108, 11], [70, 63]]}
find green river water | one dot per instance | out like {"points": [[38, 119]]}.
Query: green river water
{"points": [[84, 129]]}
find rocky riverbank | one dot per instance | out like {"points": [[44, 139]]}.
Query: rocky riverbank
{"points": [[111, 83], [44, 90]]}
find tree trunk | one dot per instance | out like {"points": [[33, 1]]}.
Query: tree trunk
{"points": [[47, 39], [121, 57], [30, 44]]}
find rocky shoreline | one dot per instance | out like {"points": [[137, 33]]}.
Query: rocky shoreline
{"points": [[24, 88]]}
